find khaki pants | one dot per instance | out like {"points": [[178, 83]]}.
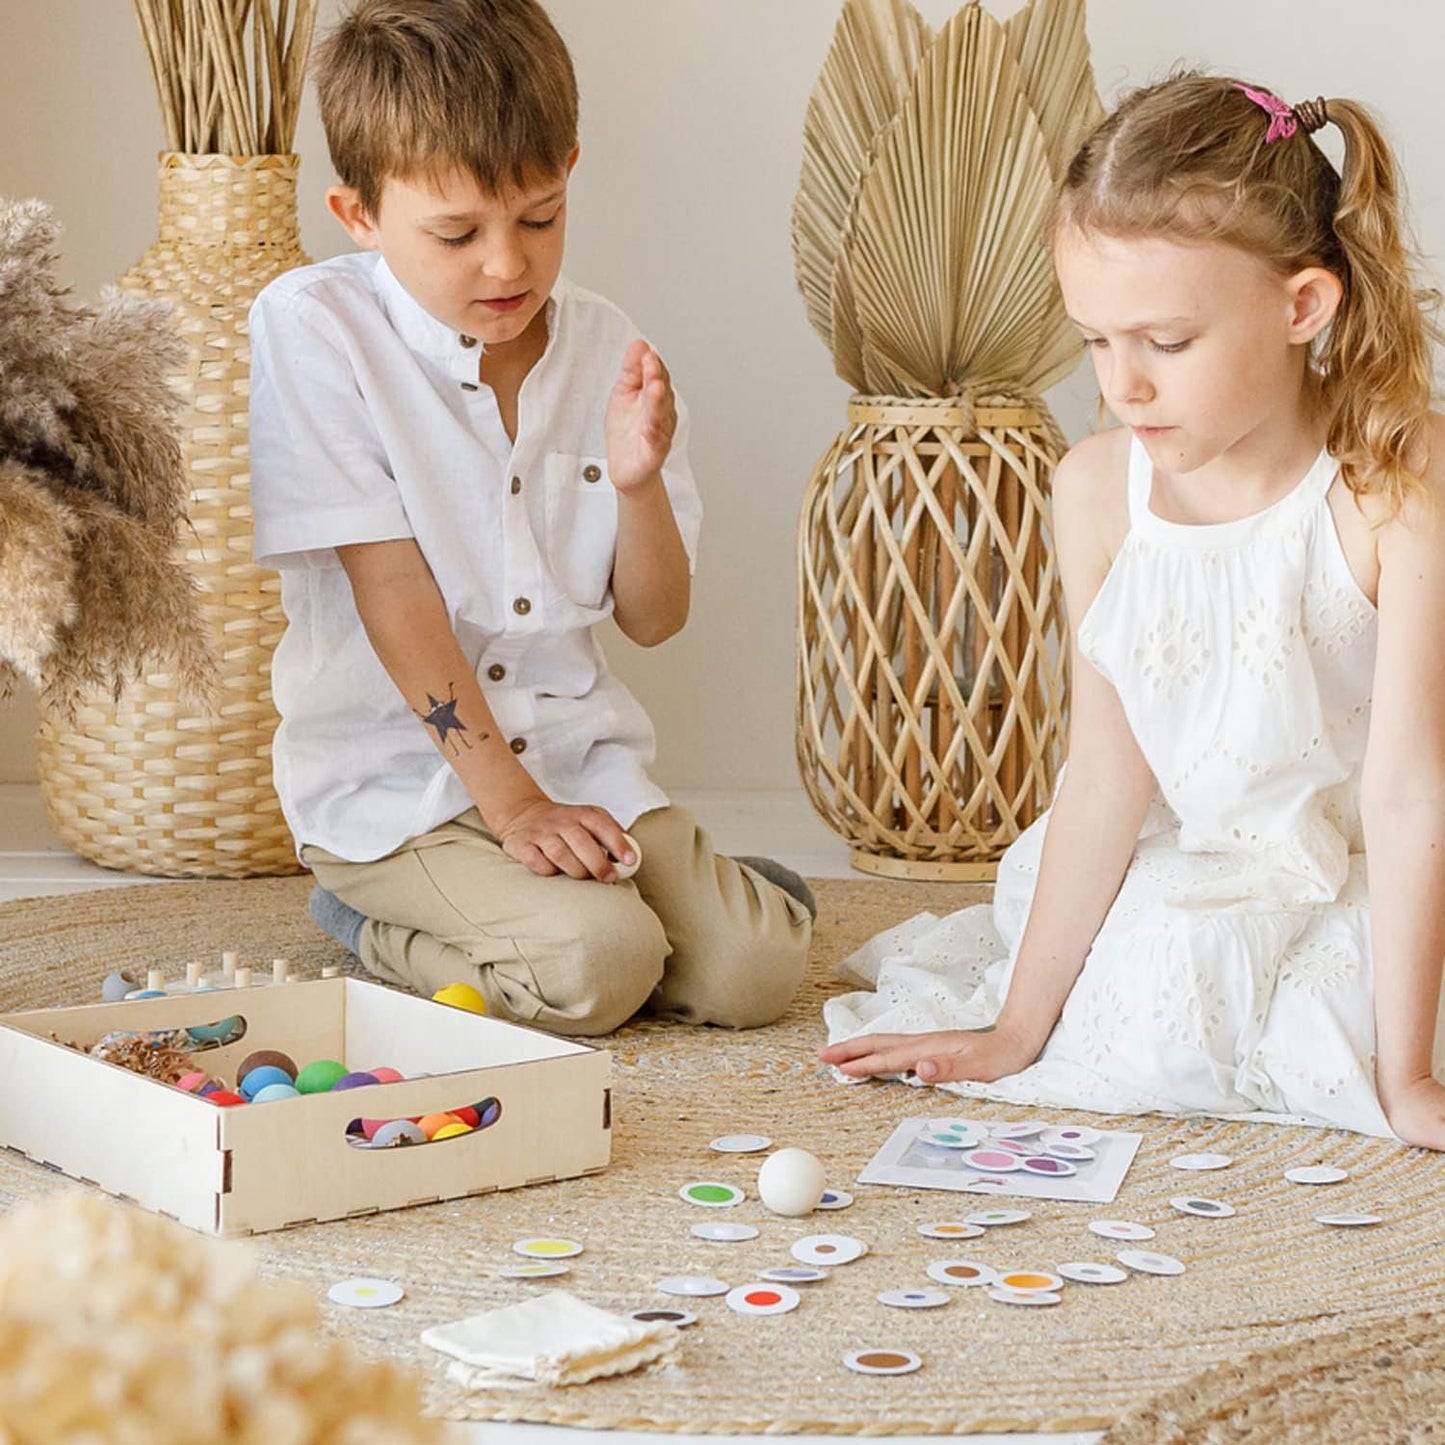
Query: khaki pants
{"points": [[693, 936]]}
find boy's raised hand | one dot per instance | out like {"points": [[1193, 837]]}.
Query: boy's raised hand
{"points": [[641, 419]]}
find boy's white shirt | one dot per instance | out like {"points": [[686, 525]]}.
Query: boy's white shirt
{"points": [[362, 431]]}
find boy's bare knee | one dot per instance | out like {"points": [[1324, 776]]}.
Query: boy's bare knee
{"points": [[604, 972]]}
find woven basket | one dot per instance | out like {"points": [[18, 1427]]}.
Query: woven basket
{"points": [[144, 783], [931, 658]]}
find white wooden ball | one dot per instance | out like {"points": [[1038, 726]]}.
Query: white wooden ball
{"points": [[791, 1182]]}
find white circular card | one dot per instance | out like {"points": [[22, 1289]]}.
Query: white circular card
{"points": [[883, 1362], [1087, 1272], [828, 1249], [762, 1299], [1121, 1229], [992, 1218], [914, 1299], [1203, 1208], [724, 1232], [1201, 1162], [1317, 1174], [950, 1229], [1147, 1262], [965, 1273], [695, 1285], [741, 1144], [365, 1294], [1034, 1297]]}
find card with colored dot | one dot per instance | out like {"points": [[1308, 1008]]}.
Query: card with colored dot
{"points": [[547, 1248], [762, 1299], [365, 1294], [711, 1194], [882, 1362], [914, 1299]]}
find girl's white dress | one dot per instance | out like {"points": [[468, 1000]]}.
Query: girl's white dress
{"points": [[1232, 975]]}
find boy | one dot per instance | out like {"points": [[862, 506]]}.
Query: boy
{"points": [[461, 464]]}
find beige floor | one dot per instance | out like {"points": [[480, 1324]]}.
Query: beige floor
{"points": [[32, 863]]}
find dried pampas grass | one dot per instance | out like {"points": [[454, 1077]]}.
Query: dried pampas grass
{"points": [[91, 484], [121, 1327], [928, 166]]}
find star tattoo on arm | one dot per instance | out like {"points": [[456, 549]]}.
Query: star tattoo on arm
{"points": [[443, 717]]}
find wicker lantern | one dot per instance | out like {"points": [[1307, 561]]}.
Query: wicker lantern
{"points": [[931, 640], [140, 780]]}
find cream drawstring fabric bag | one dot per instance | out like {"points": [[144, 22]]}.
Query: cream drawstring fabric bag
{"points": [[551, 1339]]}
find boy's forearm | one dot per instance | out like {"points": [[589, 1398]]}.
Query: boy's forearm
{"points": [[406, 622], [651, 584], [1092, 835], [1405, 848]]}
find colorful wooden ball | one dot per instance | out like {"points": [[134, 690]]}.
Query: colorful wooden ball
{"points": [[220, 1032], [257, 1079], [468, 1115], [116, 986], [266, 1059], [357, 1080], [450, 1131], [387, 1076], [318, 1076], [395, 1132], [225, 1098], [430, 1123], [461, 995], [273, 1093], [193, 1082]]}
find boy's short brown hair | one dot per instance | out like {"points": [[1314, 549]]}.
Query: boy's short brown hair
{"points": [[410, 87]]}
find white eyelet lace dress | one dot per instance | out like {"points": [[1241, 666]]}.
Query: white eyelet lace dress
{"points": [[1232, 975]]}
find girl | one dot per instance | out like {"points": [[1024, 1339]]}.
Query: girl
{"points": [[1255, 562]]}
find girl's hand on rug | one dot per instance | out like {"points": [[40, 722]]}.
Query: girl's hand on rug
{"points": [[937, 1058], [1417, 1113]]}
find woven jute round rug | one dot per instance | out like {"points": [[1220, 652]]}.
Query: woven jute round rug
{"points": [[1375, 1384], [1270, 1277]]}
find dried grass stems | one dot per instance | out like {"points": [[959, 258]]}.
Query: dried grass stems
{"points": [[928, 167], [229, 73], [92, 489], [118, 1326]]}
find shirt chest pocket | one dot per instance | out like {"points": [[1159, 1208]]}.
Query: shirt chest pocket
{"points": [[581, 525]]}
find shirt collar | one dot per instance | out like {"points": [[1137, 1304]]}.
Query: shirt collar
{"points": [[425, 334]]}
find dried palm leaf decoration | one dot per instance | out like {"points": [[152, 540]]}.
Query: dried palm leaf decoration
{"points": [[142, 781], [931, 690]]}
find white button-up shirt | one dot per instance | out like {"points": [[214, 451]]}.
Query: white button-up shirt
{"points": [[368, 424]]}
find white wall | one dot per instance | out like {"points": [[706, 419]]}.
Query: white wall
{"points": [[692, 112]]}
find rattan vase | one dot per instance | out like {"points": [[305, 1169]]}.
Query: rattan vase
{"points": [[931, 660], [145, 782]]}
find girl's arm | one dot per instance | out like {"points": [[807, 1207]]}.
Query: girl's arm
{"points": [[1402, 807], [1093, 826]]}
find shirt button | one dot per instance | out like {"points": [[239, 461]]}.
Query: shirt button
{"points": [[469, 386], [516, 485], [521, 607], [591, 473], [467, 341], [519, 745], [496, 672]]}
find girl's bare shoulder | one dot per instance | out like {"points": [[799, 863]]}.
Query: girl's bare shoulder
{"points": [[1091, 494]]}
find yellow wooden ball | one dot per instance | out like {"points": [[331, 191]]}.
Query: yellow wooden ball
{"points": [[450, 1131], [461, 995]]}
